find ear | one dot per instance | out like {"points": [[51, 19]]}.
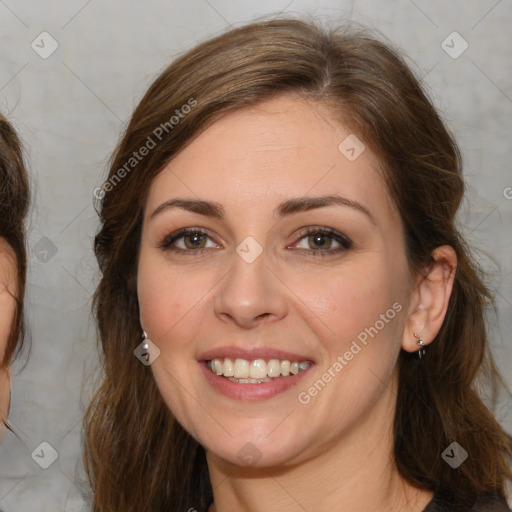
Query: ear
{"points": [[429, 299]]}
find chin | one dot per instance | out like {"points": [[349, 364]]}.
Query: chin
{"points": [[248, 447]]}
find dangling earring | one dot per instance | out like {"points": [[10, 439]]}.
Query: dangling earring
{"points": [[147, 351], [421, 343]]}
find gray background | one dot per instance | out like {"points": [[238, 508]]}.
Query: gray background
{"points": [[70, 109]]}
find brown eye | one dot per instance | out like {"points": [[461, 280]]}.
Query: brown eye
{"points": [[188, 240], [194, 240], [319, 242]]}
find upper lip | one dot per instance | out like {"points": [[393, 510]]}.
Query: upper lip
{"points": [[250, 354]]}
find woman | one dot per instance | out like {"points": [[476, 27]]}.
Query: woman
{"points": [[289, 318], [13, 260]]}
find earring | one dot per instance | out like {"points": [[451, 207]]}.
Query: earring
{"points": [[147, 351], [421, 343]]}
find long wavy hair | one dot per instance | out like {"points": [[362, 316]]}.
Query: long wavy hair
{"points": [[137, 456], [14, 202]]}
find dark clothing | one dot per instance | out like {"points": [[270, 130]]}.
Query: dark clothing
{"points": [[444, 502]]}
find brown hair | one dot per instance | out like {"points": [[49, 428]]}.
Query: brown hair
{"points": [[136, 455], [14, 201]]}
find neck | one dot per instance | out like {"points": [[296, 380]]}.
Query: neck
{"points": [[356, 474]]}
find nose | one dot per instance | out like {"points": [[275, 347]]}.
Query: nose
{"points": [[250, 294]]}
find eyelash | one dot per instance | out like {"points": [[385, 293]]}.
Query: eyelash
{"points": [[344, 241]]}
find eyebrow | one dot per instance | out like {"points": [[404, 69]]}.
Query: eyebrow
{"points": [[288, 207]]}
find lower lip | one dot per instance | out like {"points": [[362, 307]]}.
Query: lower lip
{"points": [[244, 391]]}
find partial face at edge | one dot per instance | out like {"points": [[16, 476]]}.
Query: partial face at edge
{"points": [[8, 290], [311, 295]]}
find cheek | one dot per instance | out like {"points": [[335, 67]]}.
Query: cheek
{"points": [[169, 303], [360, 330], [352, 300], [169, 299]]}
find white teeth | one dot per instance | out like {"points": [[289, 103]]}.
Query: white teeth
{"points": [[256, 371], [250, 381], [241, 369], [217, 367], [228, 368], [274, 368]]}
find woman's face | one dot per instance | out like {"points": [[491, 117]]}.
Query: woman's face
{"points": [[7, 309], [248, 282]]}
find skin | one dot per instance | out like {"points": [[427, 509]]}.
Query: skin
{"points": [[7, 309], [335, 453]]}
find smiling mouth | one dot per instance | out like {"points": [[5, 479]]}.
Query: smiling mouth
{"points": [[256, 371]]}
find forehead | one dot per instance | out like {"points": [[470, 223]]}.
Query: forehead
{"points": [[287, 146]]}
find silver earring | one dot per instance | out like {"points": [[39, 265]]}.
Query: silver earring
{"points": [[421, 343], [147, 351]]}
